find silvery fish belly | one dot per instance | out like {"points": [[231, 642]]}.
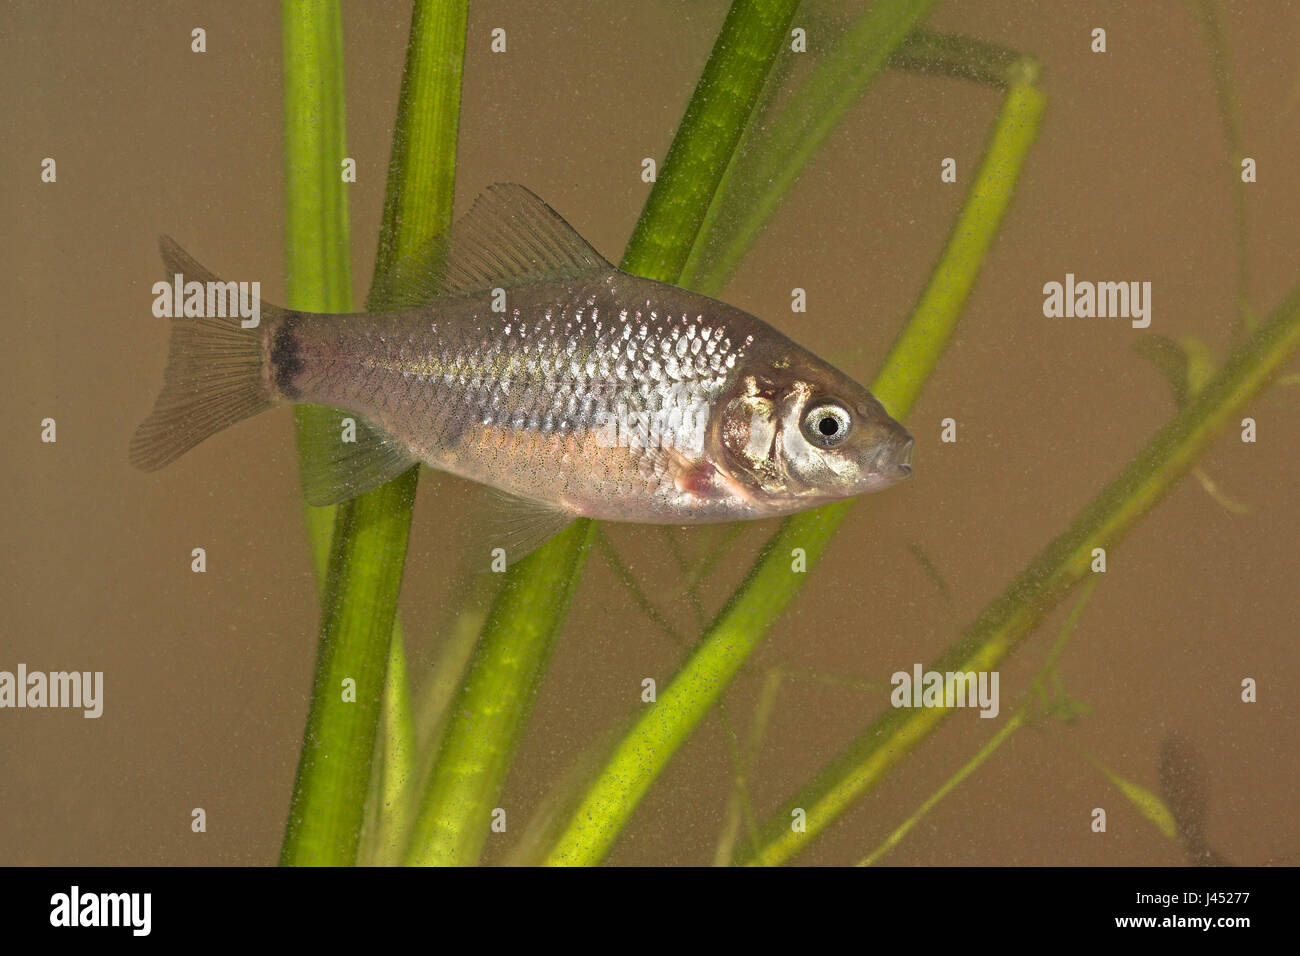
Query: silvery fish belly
{"points": [[517, 357]]}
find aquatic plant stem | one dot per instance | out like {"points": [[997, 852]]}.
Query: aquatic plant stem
{"points": [[368, 549], [716, 117], [739, 809], [1005, 622], [772, 155], [318, 263], [495, 699], [316, 222], [366, 559], [771, 584], [490, 710], [422, 168], [394, 765]]}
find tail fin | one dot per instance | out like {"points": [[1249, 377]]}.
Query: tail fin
{"points": [[215, 375]]}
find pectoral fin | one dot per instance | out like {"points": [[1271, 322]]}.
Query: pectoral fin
{"points": [[521, 525]]}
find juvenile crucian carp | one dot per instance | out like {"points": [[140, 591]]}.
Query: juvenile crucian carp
{"points": [[514, 355]]}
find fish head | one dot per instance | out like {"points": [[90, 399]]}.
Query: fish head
{"points": [[796, 432]]}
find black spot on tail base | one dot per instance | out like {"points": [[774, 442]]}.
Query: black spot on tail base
{"points": [[286, 359]]}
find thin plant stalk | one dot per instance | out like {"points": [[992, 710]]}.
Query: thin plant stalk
{"points": [[1013, 723], [955, 55], [739, 809], [368, 547], [394, 765]]}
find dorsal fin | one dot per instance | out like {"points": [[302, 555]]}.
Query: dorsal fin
{"points": [[509, 236]]}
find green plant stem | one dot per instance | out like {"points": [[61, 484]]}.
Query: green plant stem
{"points": [[715, 119], [387, 809], [316, 248], [319, 272], [368, 548], [923, 340], [422, 168], [455, 648], [470, 771], [490, 711], [1004, 623], [774, 153], [365, 571], [770, 586]]}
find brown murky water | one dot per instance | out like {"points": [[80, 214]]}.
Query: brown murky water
{"points": [[207, 676]]}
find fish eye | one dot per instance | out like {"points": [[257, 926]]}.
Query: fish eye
{"points": [[827, 424]]}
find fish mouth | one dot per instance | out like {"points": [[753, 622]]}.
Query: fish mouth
{"points": [[894, 461]]}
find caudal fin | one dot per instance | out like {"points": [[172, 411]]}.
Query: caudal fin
{"points": [[214, 377]]}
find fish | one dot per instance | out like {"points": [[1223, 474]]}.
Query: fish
{"points": [[511, 353]]}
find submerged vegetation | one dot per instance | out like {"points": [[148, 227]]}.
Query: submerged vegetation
{"points": [[407, 775]]}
